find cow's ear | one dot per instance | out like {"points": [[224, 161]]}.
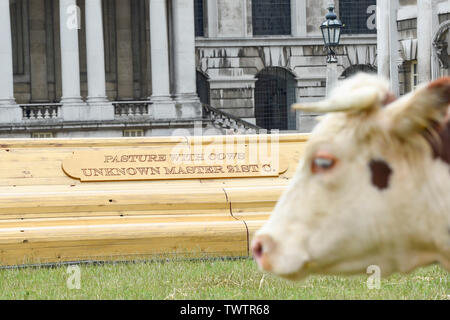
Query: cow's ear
{"points": [[419, 110]]}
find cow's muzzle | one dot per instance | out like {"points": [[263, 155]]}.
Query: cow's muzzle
{"points": [[262, 247]]}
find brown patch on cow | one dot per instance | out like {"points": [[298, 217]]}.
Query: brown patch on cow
{"points": [[439, 140], [381, 173], [390, 97], [439, 135], [444, 84]]}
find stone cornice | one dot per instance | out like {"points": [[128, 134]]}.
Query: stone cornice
{"points": [[94, 125], [201, 42]]}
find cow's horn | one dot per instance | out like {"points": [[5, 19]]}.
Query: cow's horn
{"points": [[360, 99]]}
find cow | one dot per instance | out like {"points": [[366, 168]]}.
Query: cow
{"points": [[372, 187]]}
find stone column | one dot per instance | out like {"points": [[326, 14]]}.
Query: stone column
{"points": [[9, 111], [383, 59], [125, 85], [332, 77], [211, 19], [38, 52], [70, 61], [424, 38], [6, 58], [394, 47], [163, 105], [96, 58], [184, 58], [298, 18]]}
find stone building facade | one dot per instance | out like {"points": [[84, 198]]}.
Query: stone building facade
{"points": [[413, 37], [79, 68], [97, 68], [256, 69]]}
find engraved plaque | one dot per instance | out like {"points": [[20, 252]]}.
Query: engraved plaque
{"points": [[169, 163]]}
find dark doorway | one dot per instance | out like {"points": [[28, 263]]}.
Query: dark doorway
{"points": [[203, 87], [274, 95]]}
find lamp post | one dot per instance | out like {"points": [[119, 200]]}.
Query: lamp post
{"points": [[331, 33]]}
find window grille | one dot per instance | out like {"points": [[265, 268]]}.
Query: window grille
{"points": [[356, 68], [444, 17], [414, 75], [271, 17], [133, 133], [274, 96], [42, 135], [198, 16], [358, 16], [409, 24]]}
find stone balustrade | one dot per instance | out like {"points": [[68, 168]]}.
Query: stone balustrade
{"points": [[232, 124], [40, 111], [130, 108]]}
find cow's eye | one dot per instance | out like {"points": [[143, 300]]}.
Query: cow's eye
{"points": [[322, 163]]}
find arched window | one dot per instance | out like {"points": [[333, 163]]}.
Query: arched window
{"points": [[274, 95], [358, 16], [354, 69], [198, 16], [271, 17]]}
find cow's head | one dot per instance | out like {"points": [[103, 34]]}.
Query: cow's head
{"points": [[361, 192]]}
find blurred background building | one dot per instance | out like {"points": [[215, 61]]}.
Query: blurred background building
{"points": [[109, 68]]}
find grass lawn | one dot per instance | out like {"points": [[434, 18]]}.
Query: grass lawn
{"points": [[210, 279]]}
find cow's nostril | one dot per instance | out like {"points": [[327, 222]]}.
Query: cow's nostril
{"points": [[257, 249], [262, 249], [262, 245]]}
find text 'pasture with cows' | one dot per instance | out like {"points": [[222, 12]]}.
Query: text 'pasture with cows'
{"points": [[168, 164]]}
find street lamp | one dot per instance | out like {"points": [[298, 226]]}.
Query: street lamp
{"points": [[331, 33]]}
